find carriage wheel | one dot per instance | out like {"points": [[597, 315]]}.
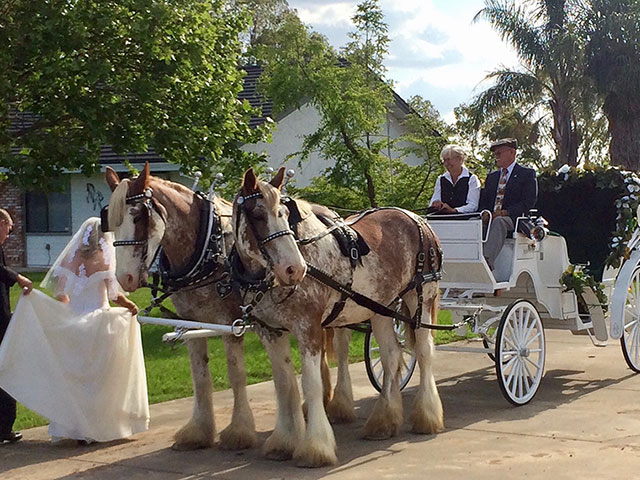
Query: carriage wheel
{"points": [[630, 340], [373, 361], [520, 350]]}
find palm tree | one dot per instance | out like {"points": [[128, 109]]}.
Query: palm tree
{"points": [[613, 63], [543, 34]]}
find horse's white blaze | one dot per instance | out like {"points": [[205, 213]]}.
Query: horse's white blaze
{"points": [[131, 268], [289, 266]]}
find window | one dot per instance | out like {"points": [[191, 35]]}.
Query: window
{"points": [[48, 212]]}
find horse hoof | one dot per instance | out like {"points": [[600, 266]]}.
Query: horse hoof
{"points": [[185, 447], [314, 459], [380, 432], [278, 455], [232, 440]]}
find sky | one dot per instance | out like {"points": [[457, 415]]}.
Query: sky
{"points": [[436, 50]]}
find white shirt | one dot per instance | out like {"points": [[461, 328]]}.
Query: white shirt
{"points": [[473, 195]]}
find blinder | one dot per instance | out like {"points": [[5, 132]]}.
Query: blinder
{"points": [[241, 201]]}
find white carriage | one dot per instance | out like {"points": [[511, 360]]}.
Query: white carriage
{"points": [[510, 307]]}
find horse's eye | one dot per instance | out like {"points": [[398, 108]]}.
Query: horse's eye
{"points": [[280, 214]]}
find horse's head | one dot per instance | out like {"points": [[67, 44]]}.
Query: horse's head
{"points": [[138, 226], [261, 227]]}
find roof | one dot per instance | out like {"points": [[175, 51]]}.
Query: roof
{"points": [[250, 92]]}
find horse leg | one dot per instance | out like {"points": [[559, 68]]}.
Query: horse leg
{"points": [[241, 432], [200, 430], [319, 445], [327, 353], [289, 429], [426, 414], [341, 409], [386, 418]]}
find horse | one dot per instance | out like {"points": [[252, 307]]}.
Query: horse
{"points": [[400, 244], [148, 212], [171, 217]]}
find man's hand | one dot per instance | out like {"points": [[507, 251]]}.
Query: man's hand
{"points": [[25, 284], [501, 213], [437, 205]]}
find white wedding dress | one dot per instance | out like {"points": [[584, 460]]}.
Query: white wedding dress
{"points": [[78, 364]]}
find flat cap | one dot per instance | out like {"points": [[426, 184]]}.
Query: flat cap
{"points": [[504, 142]]}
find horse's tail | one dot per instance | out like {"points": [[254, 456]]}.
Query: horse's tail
{"points": [[328, 335]]}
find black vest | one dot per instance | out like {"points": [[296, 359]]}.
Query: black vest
{"points": [[454, 195]]}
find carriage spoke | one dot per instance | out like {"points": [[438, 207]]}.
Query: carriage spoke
{"points": [[535, 337], [510, 342], [533, 364]]}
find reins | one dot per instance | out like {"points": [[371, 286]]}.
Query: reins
{"points": [[419, 279]]}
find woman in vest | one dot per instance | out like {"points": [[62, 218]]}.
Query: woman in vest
{"points": [[456, 190]]}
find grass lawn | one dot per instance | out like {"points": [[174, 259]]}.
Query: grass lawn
{"points": [[168, 374]]}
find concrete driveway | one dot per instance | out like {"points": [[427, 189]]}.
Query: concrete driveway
{"points": [[583, 423]]}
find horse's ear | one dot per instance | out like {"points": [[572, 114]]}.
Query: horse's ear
{"points": [[278, 180], [249, 182], [112, 178], [141, 183]]}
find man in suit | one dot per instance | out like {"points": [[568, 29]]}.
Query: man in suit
{"points": [[7, 278], [509, 192]]}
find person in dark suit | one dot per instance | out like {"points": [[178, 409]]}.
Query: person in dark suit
{"points": [[509, 192], [7, 278]]}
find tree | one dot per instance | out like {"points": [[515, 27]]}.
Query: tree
{"points": [[550, 51], [613, 63], [266, 17], [126, 73], [427, 134], [348, 90]]}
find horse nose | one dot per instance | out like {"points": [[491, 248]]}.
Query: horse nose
{"points": [[128, 282], [290, 274], [296, 272]]}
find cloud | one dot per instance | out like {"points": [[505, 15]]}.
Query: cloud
{"points": [[436, 49]]}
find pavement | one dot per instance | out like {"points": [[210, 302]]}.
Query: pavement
{"points": [[583, 423]]}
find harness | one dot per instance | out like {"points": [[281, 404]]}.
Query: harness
{"points": [[203, 265], [262, 284]]}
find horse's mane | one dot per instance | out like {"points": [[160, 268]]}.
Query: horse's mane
{"points": [[271, 196], [118, 204]]}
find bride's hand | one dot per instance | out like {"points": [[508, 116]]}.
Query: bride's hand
{"points": [[133, 308], [63, 298]]}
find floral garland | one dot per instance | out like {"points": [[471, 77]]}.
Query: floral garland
{"points": [[576, 279], [626, 205], [626, 220]]}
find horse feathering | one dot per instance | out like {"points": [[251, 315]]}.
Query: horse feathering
{"points": [[118, 204]]}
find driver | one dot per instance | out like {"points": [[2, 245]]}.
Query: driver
{"points": [[509, 192]]}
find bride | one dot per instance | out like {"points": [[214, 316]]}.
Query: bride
{"points": [[77, 361]]}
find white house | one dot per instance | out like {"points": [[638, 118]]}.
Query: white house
{"points": [[44, 223]]}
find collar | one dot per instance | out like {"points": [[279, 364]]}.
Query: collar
{"points": [[465, 173]]}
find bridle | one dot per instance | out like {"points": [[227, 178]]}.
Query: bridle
{"points": [[241, 201], [146, 200]]}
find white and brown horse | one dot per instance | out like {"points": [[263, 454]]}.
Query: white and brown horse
{"points": [[396, 239], [170, 216], [174, 221]]}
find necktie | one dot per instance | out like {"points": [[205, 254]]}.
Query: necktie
{"points": [[500, 192]]}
